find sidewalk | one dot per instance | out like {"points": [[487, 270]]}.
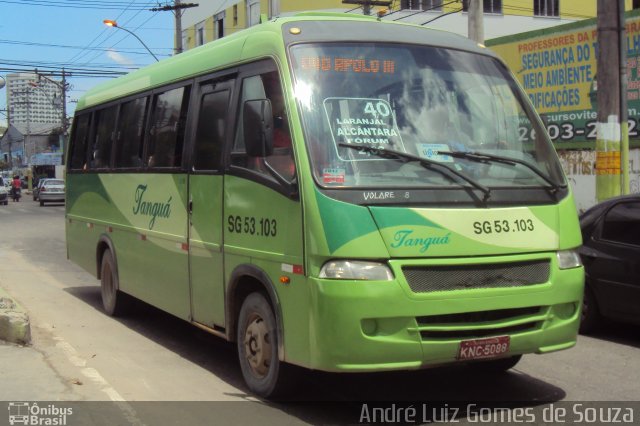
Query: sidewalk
{"points": [[31, 367], [27, 376], [14, 321], [25, 372]]}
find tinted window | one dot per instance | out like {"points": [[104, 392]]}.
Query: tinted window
{"points": [[79, 141], [169, 115], [130, 133], [211, 130], [103, 140], [54, 182], [622, 224]]}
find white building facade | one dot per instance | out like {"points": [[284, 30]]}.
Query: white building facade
{"points": [[33, 103]]}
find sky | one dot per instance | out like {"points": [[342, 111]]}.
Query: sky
{"points": [[50, 34]]}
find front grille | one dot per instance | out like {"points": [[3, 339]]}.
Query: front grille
{"points": [[423, 279], [476, 317], [475, 334], [434, 326]]}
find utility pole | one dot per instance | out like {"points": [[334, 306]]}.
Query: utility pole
{"points": [[177, 9], [624, 109], [475, 24], [612, 122], [366, 4], [64, 123]]}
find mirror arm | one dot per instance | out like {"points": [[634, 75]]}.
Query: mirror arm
{"points": [[292, 186]]}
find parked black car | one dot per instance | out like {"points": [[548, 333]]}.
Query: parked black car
{"points": [[611, 257]]}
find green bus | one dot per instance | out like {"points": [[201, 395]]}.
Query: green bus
{"points": [[330, 191]]}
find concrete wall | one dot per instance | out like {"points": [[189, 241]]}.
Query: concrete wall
{"points": [[579, 165]]}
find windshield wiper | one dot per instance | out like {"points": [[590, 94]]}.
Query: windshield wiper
{"points": [[403, 156], [484, 158]]}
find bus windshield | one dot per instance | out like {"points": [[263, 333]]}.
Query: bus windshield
{"points": [[426, 102]]}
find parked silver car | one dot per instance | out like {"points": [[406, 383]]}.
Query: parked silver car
{"points": [[50, 191], [36, 190]]}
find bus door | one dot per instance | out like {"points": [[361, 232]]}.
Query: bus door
{"points": [[206, 203]]}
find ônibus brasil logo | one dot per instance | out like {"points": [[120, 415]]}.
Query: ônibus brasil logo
{"points": [[26, 413]]}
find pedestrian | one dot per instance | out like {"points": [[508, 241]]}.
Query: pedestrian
{"points": [[16, 188]]}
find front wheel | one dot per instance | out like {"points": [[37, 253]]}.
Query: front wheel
{"points": [[115, 302], [257, 341]]}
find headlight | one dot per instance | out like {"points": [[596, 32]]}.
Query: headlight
{"points": [[568, 259], [356, 270]]}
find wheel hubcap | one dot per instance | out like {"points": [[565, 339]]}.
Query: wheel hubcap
{"points": [[257, 346]]}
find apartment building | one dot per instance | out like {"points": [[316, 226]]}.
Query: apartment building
{"points": [[32, 103], [214, 19]]}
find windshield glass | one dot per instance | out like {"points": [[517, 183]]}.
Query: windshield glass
{"points": [[419, 100]]}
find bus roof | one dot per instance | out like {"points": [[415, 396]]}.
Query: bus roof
{"points": [[232, 50]]}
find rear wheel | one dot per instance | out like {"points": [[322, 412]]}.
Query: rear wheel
{"points": [[257, 341], [41, 203], [115, 303]]}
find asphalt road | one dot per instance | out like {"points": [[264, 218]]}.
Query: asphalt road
{"points": [[150, 356]]}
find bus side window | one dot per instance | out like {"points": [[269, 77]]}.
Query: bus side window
{"points": [[168, 123], [211, 130], [103, 138], [266, 86], [79, 142], [130, 135]]}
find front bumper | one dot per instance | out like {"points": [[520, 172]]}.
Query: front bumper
{"points": [[375, 326]]}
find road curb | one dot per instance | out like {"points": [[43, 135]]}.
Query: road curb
{"points": [[14, 321]]}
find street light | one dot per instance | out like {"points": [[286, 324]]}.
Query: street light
{"points": [[112, 23]]}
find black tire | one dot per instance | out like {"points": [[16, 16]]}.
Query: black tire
{"points": [[41, 203], [590, 317], [497, 365], [115, 302], [257, 341]]}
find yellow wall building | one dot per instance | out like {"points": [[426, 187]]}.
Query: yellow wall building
{"points": [[214, 19]]}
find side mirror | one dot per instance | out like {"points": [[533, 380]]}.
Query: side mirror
{"points": [[257, 127]]}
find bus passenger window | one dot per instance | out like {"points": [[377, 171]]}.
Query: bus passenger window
{"points": [[79, 142], [131, 133], [267, 86], [103, 142], [211, 130], [169, 116]]}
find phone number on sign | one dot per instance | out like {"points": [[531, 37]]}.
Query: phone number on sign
{"points": [[568, 131]]}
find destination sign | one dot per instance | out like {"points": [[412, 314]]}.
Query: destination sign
{"points": [[347, 65]]}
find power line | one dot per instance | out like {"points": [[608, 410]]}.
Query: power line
{"points": [[14, 62], [80, 4], [130, 50]]}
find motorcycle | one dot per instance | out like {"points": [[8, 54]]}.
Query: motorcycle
{"points": [[16, 193]]}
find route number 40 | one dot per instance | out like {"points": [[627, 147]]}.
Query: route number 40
{"points": [[378, 108]]}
